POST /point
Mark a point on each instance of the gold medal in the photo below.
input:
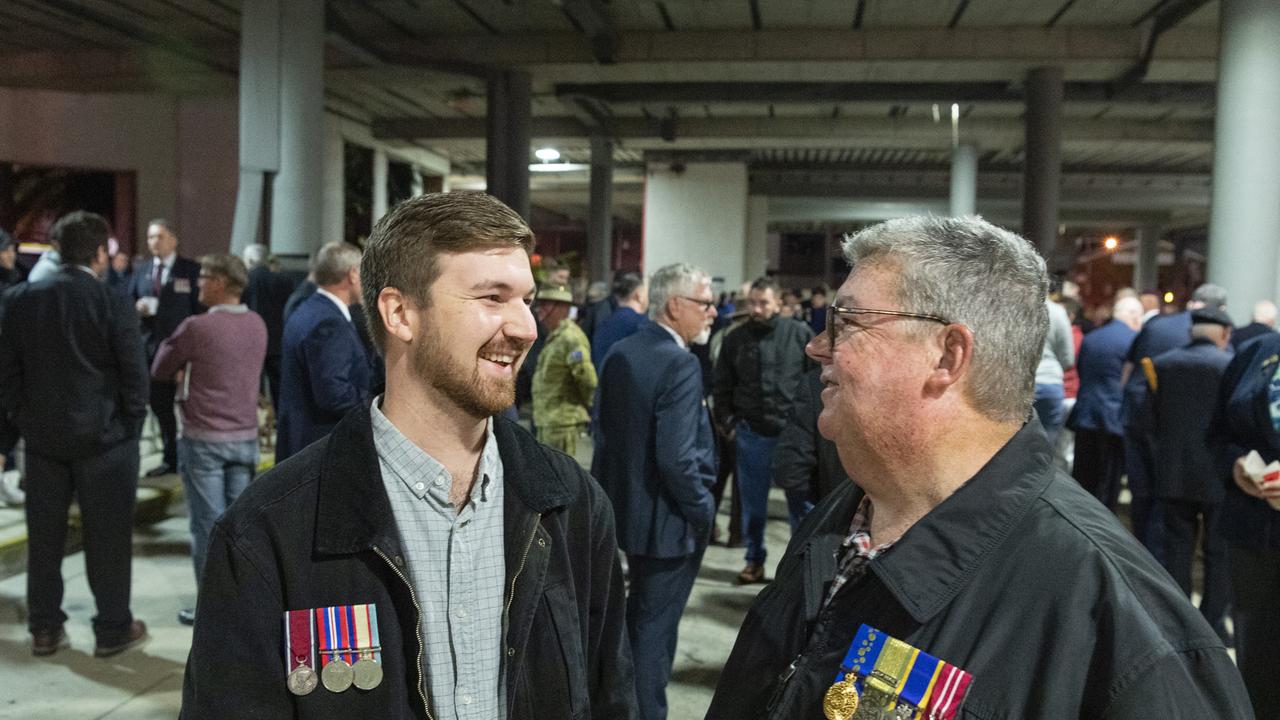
(302, 680)
(841, 700)
(366, 674)
(336, 676)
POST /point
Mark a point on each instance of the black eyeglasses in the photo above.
(834, 310)
(706, 304)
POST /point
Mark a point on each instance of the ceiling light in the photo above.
(1111, 243)
(552, 167)
(1168, 298)
(547, 155)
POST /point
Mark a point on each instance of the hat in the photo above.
(1210, 316)
(555, 293)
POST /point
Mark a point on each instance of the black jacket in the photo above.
(73, 379)
(759, 373)
(266, 294)
(1182, 406)
(177, 300)
(803, 459)
(1020, 578)
(318, 531)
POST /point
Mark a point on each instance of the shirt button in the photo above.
(420, 487)
(460, 613)
(466, 699)
(439, 481)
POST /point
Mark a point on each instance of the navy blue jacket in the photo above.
(177, 300)
(267, 294)
(1182, 406)
(620, 323)
(1100, 363)
(1243, 423)
(1161, 334)
(324, 374)
(655, 455)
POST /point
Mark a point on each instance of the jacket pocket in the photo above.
(555, 663)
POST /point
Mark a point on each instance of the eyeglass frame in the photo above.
(706, 304)
(833, 310)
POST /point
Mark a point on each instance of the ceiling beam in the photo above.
(1164, 16)
(593, 19)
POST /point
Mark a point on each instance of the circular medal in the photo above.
(841, 700)
(302, 680)
(336, 676)
(366, 674)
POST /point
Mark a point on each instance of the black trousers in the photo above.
(161, 402)
(1255, 582)
(1144, 510)
(1183, 522)
(1098, 465)
(728, 460)
(106, 486)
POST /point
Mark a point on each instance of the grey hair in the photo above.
(1211, 295)
(968, 271)
(672, 281)
(255, 255)
(333, 261)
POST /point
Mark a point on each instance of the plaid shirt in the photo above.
(856, 550)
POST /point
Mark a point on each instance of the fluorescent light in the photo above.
(547, 155)
(557, 167)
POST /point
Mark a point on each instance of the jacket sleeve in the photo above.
(795, 459)
(583, 372)
(612, 680)
(235, 669)
(329, 368)
(126, 346)
(1060, 342)
(725, 379)
(1193, 683)
(172, 354)
(681, 472)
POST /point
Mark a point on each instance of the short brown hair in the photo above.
(229, 267)
(402, 250)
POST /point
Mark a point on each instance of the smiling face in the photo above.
(477, 329)
(873, 380)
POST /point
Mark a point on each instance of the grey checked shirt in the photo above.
(457, 566)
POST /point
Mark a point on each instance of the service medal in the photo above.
(366, 674)
(336, 675)
(367, 671)
(841, 700)
(302, 680)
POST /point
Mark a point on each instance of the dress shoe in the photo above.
(137, 636)
(160, 470)
(48, 642)
(752, 573)
(187, 616)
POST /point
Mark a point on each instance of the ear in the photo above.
(955, 356)
(400, 317)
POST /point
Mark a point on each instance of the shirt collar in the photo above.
(675, 335)
(346, 311)
(167, 260)
(385, 431)
(230, 308)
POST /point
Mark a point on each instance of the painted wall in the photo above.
(698, 216)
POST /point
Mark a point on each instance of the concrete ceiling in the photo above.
(837, 93)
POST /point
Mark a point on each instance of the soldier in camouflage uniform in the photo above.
(565, 379)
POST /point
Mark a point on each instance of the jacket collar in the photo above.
(353, 512)
(934, 560)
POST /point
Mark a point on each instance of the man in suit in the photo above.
(164, 294)
(631, 301)
(1264, 321)
(266, 295)
(77, 392)
(1189, 480)
(656, 462)
(324, 371)
(1095, 419)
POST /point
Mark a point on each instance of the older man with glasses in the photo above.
(960, 568)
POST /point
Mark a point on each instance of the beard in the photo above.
(703, 337)
(463, 384)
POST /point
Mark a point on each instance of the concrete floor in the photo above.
(146, 684)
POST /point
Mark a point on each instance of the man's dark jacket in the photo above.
(1243, 422)
(1100, 365)
(266, 294)
(177, 299)
(73, 379)
(655, 454)
(803, 459)
(1242, 335)
(318, 531)
(1182, 406)
(324, 374)
(759, 373)
(1020, 578)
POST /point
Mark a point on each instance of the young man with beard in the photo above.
(430, 558)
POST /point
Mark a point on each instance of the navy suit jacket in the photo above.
(1100, 364)
(1161, 334)
(655, 455)
(324, 373)
(1182, 406)
(178, 300)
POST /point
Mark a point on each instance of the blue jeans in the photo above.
(755, 472)
(213, 476)
(1048, 405)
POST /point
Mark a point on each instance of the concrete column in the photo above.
(964, 180)
(755, 257)
(600, 220)
(698, 216)
(1245, 215)
(1146, 264)
(379, 205)
(1042, 170)
(259, 118)
(297, 191)
(508, 138)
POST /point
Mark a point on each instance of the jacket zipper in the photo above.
(506, 609)
(417, 627)
(783, 678)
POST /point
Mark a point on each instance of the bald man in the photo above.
(1264, 321)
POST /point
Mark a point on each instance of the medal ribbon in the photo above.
(330, 635)
(348, 633)
(948, 695)
(373, 630)
(863, 652)
(299, 635)
(919, 683)
(363, 639)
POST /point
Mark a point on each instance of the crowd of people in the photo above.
(422, 547)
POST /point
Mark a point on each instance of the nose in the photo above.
(819, 348)
(521, 325)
